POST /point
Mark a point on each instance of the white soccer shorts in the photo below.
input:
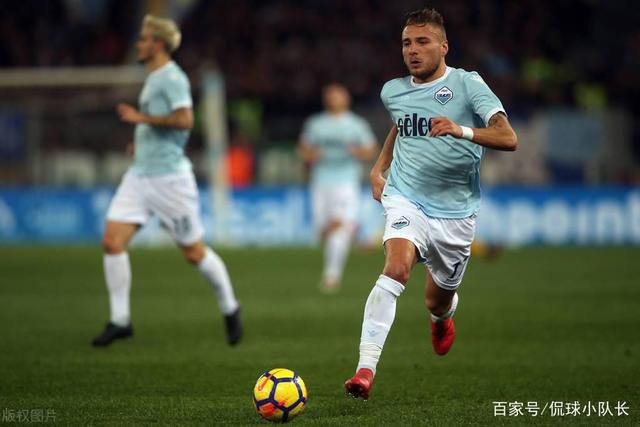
(172, 197)
(444, 245)
(335, 203)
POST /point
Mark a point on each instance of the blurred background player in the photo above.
(160, 182)
(432, 193)
(335, 143)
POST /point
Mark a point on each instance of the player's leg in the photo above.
(319, 211)
(174, 198)
(323, 225)
(380, 312)
(405, 244)
(448, 251)
(117, 273)
(117, 268)
(442, 304)
(125, 215)
(380, 308)
(214, 270)
(336, 251)
(329, 230)
(439, 301)
(342, 206)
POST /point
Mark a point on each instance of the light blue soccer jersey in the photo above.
(333, 135)
(160, 150)
(440, 175)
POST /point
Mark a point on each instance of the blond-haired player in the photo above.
(160, 182)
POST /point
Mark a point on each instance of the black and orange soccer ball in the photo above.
(280, 395)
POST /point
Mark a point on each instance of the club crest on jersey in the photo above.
(399, 223)
(443, 95)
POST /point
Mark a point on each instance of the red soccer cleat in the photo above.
(443, 333)
(360, 384)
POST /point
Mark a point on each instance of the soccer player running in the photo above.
(335, 143)
(444, 118)
(160, 182)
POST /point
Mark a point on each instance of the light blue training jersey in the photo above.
(440, 175)
(332, 135)
(160, 150)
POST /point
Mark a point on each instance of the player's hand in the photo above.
(315, 155)
(377, 184)
(309, 153)
(441, 126)
(355, 151)
(363, 153)
(129, 114)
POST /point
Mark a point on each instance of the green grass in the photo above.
(536, 325)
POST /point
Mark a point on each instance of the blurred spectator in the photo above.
(59, 32)
(534, 54)
(240, 159)
(284, 51)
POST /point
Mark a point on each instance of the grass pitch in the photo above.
(537, 325)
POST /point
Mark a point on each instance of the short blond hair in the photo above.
(165, 30)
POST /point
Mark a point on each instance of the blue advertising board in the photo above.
(281, 216)
(568, 215)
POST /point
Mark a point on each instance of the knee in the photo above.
(437, 306)
(397, 271)
(194, 255)
(433, 305)
(331, 228)
(111, 245)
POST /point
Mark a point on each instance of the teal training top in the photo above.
(332, 135)
(159, 150)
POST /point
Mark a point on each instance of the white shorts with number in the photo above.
(444, 245)
(172, 197)
(335, 203)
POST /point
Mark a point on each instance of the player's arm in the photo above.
(307, 152)
(180, 118)
(498, 134)
(376, 177)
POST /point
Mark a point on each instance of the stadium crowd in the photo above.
(534, 54)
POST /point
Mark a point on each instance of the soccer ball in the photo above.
(279, 395)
